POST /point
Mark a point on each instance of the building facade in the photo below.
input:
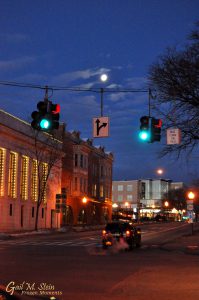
(22, 173)
(145, 196)
(86, 174)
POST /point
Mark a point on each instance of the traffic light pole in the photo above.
(150, 96)
(46, 94)
(102, 94)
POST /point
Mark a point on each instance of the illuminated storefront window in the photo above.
(101, 190)
(24, 177)
(2, 170)
(43, 181)
(34, 180)
(12, 180)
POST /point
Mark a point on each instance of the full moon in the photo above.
(103, 77)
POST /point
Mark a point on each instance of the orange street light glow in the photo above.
(84, 200)
(191, 195)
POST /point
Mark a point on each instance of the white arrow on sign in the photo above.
(101, 127)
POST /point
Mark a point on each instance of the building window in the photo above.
(81, 161)
(10, 209)
(44, 181)
(34, 180)
(12, 180)
(24, 178)
(85, 185)
(102, 171)
(120, 198)
(120, 188)
(85, 162)
(76, 160)
(81, 184)
(94, 190)
(129, 197)
(101, 190)
(2, 170)
(42, 213)
(129, 188)
(33, 212)
(76, 188)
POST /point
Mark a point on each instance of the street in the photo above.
(73, 265)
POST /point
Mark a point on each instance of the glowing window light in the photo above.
(2, 170)
(34, 180)
(12, 185)
(24, 177)
(44, 181)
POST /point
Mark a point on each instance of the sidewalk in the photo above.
(188, 244)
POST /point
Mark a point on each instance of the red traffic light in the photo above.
(55, 108)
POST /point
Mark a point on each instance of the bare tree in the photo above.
(175, 79)
(47, 151)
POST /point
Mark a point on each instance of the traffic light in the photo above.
(144, 133)
(38, 117)
(54, 111)
(156, 125)
(47, 116)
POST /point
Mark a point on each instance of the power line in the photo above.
(72, 89)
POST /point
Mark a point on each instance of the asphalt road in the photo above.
(73, 266)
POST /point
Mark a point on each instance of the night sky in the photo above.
(71, 43)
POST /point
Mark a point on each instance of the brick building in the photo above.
(19, 183)
(86, 173)
(82, 170)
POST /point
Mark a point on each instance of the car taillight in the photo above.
(103, 232)
(128, 233)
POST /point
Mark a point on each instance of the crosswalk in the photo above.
(69, 243)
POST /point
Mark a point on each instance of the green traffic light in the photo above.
(45, 124)
(144, 135)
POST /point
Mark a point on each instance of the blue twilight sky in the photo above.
(70, 43)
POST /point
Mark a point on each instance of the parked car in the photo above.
(117, 231)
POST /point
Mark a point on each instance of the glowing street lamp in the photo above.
(191, 195)
(166, 204)
(84, 200)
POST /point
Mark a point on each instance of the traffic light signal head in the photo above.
(144, 133)
(47, 116)
(55, 110)
(156, 126)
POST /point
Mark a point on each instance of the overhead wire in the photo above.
(72, 89)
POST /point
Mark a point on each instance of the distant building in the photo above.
(145, 195)
(177, 185)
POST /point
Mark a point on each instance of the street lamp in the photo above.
(191, 197)
(103, 78)
(84, 200)
(166, 204)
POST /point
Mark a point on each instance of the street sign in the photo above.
(190, 206)
(173, 136)
(100, 127)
